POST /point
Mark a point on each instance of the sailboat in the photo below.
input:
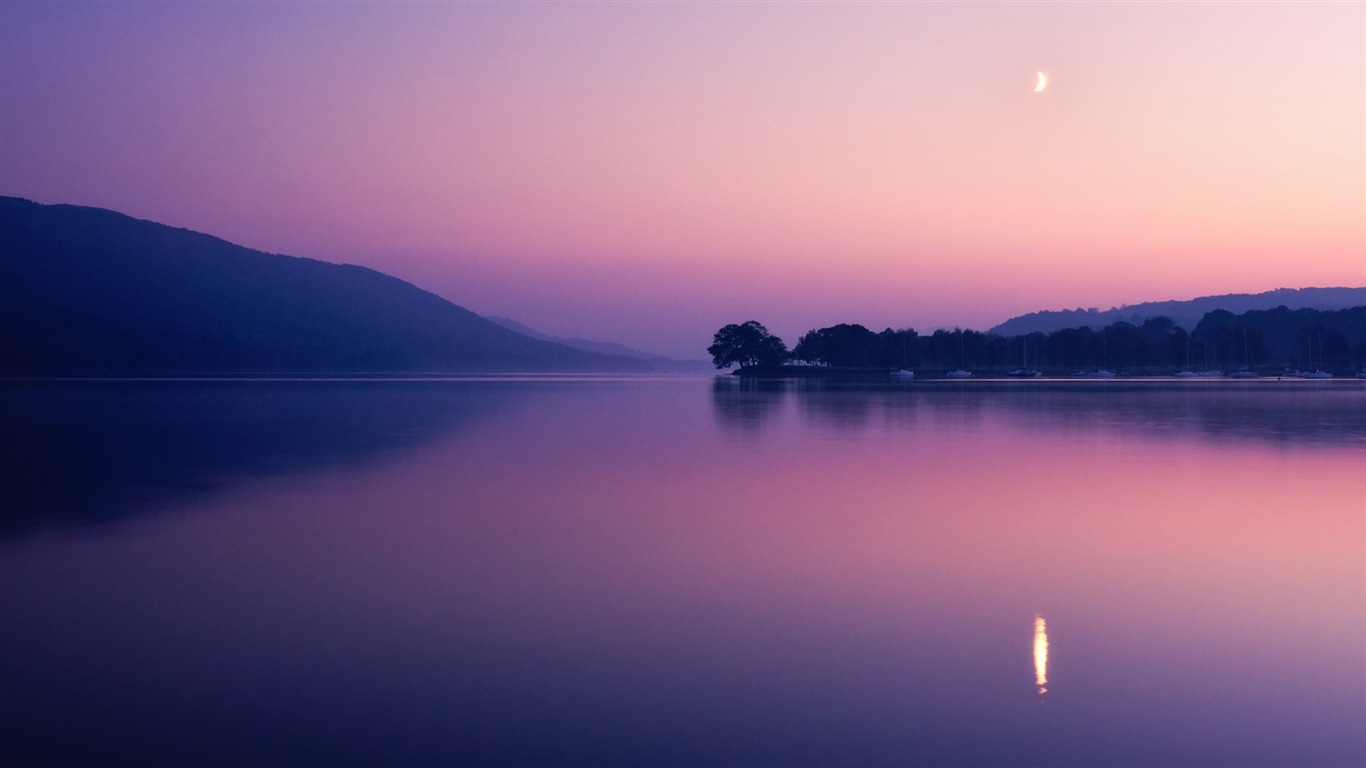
(959, 373)
(1210, 373)
(1246, 371)
(1099, 373)
(1317, 373)
(1186, 372)
(1024, 371)
(903, 373)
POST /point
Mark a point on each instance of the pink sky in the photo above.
(645, 172)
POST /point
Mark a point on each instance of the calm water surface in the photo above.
(682, 572)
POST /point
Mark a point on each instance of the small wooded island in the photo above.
(1273, 342)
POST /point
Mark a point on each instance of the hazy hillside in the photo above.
(86, 289)
(601, 347)
(657, 362)
(1185, 314)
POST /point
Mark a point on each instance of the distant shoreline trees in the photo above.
(1275, 339)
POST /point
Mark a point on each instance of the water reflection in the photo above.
(688, 573)
(746, 406)
(1263, 411)
(1041, 655)
(835, 410)
(81, 452)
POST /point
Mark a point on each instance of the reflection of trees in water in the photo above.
(955, 407)
(83, 452)
(1265, 411)
(1328, 413)
(898, 408)
(835, 409)
(900, 413)
(746, 405)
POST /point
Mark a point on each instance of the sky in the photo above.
(647, 172)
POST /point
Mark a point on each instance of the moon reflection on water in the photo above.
(1041, 654)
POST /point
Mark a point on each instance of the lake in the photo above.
(682, 571)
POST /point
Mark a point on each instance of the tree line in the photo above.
(1300, 339)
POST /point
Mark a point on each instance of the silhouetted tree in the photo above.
(746, 344)
(897, 349)
(1333, 351)
(1158, 349)
(1255, 350)
(1075, 348)
(842, 345)
(1125, 346)
(1303, 338)
(1179, 349)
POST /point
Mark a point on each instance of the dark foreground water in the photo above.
(661, 572)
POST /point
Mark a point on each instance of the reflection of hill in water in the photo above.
(1290, 412)
(83, 452)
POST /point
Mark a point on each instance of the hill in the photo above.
(85, 290)
(1186, 314)
(657, 362)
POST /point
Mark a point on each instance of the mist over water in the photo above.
(683, 571)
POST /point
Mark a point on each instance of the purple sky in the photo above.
(646, 172)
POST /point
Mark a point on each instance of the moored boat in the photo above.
(1024, 371)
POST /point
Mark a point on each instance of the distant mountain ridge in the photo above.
(1186, 314)
(601, 347)
(91, 290)
(657, 362)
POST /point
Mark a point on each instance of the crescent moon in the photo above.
(1043, 82)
